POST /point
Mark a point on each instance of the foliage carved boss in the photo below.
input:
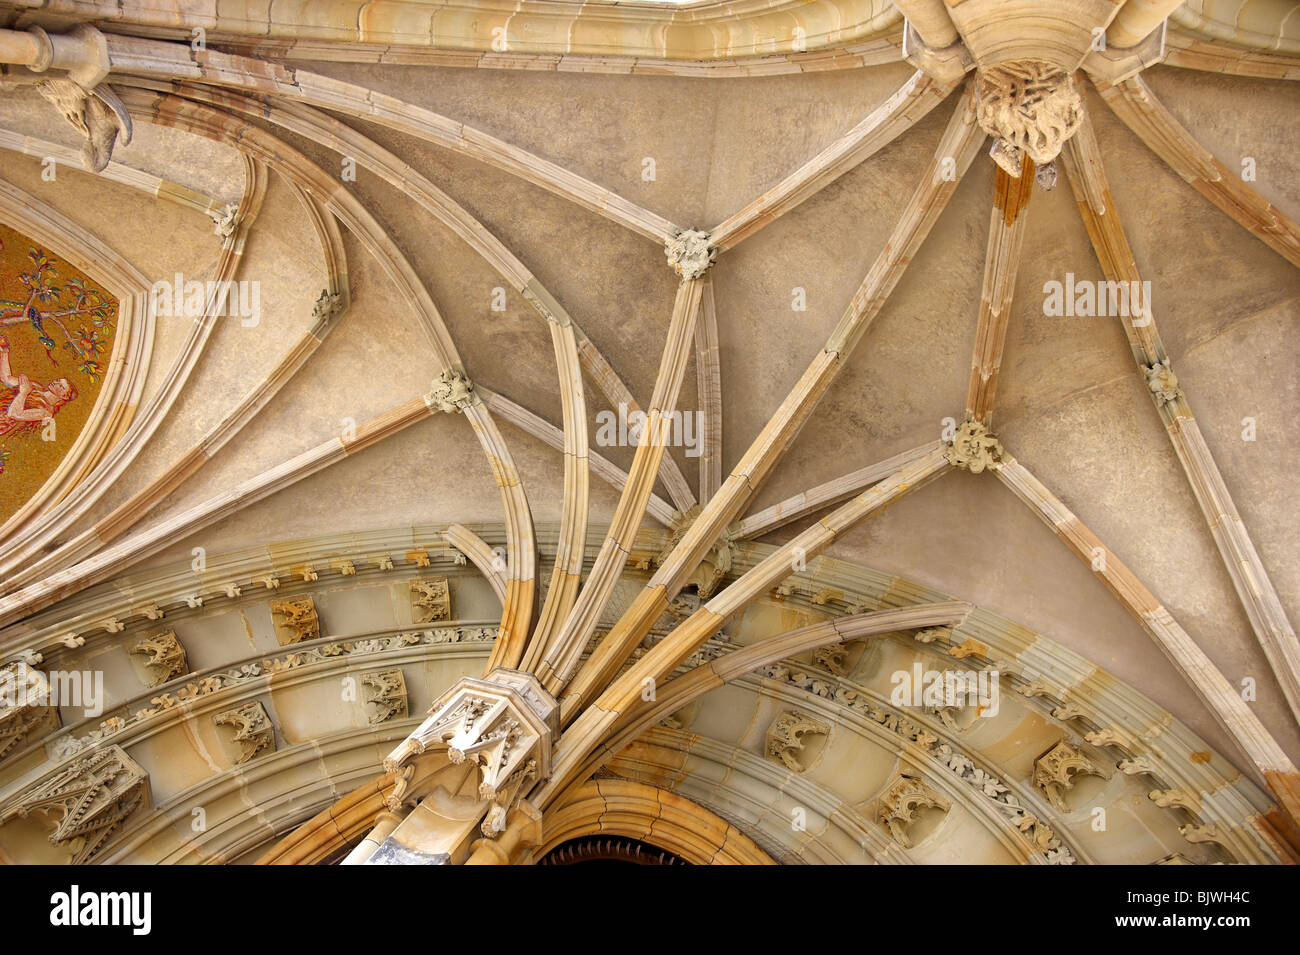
(1030, 108)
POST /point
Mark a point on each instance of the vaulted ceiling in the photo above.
(457, 244)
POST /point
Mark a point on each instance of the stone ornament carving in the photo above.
(251, 735)
(224, 220)
(328, 305)
(786, 738)
(712, 568)
(384, 694)
(689, 253)
(1162, 382)
(1029, 108)
(165, 657)
(1037, 833)
(1056, 770)
(452, 392)
(901, 804)
(503, 725)
(87, 800)
(66, 746)
(24, 711)
(295, 620)
(430, 600)
(974, 448)
(97, 114)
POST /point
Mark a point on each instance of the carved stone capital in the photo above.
(452, 392)
(1029, 108)
(689, 253)
(974, 448)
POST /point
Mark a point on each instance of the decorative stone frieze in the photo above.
(165, 657)
(1056, 770)
(787, 738)
(1037, 833)
(902, 804)
(452, 392)
(974, 448)
(430, 600)
(689, 253)
(384, 694)
(1030, 108)
(295, 620)
(86, 799)
(250, 732)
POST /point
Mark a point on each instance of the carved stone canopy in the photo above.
(503, 724)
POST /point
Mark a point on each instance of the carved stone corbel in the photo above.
(430, 600)
(902, 802)
(1056, 770)
(87, 798)
(384, 694)
(502, 725)
(295, 620)
(787, 738)
(252, 732)
(25, 713)
(166, 657)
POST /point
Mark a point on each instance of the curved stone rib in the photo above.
(175, 61)
(115, 171)
(329, 310)
(828, 494)
(566, 575)
(562, 653)
(115, 558)
(1190, 660)
(594, 722)
(29, 541)
(708, 381)
(480, 554)
(540, 428)
(682, 690)
(909, 104)
(1258, 597)
(1001, 262)
(1135, 104)
(960, 142)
